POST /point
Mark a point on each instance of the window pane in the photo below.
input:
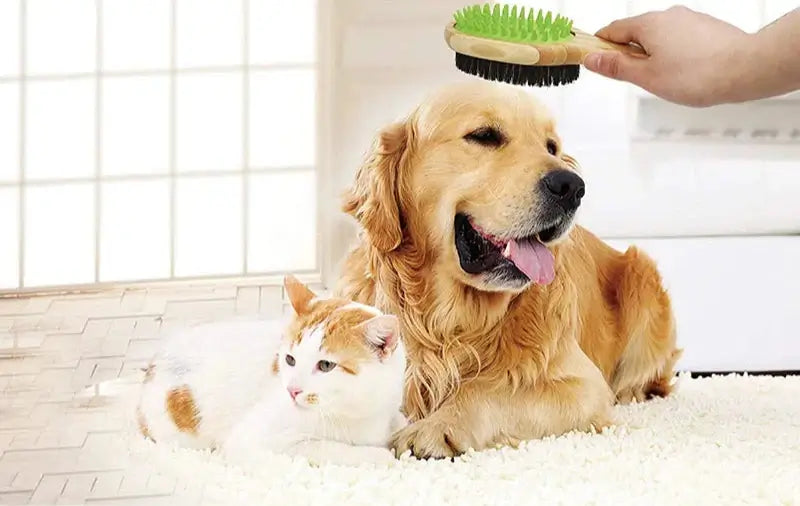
(9, 132)
(209, 32)
(9, 37)
(134, 231)
(59, 234)
(209, 129)
(283, 32)
(61, 36)
(124, 22)
(208, 235)
(135, 125)
(282, 232)
(282, 118)
(9, 237)
(60, 129)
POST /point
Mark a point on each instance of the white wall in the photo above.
(641, 184)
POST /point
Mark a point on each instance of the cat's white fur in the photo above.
(244, 408)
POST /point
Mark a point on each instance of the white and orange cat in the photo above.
(328, 386)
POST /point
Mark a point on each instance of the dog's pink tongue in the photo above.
(533, 259)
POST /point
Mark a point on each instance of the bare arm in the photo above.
(776, 68)
(698, 60)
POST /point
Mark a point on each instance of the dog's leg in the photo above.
(645, 368)
(481, 415)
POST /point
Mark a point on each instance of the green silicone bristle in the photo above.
(514, 25)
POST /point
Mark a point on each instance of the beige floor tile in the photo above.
(78, 487)
(271, 301)
(89, 308)
(248, 299)
(207, 309)
(26, 479)
(49, 489)
(11, 498)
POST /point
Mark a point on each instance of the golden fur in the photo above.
(494, 366)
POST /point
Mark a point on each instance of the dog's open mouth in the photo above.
(480, 251)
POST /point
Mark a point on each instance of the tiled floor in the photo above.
(64, 361)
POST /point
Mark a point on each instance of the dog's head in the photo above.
(477, 174)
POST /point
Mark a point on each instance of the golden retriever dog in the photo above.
(518, 323)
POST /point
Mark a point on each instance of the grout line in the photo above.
(98, 130)
(245, 133)
(158, 177)
(210, 69)
(172, 133)
(23, 29)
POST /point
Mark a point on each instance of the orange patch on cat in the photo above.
(319, 312)
(312, 399)
(276, 368)
(349, 366)
(140, 420)
(182, 409)
(343, 337)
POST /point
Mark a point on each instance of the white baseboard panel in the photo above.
(736, 299)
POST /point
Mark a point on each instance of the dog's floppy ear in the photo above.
(373, 200)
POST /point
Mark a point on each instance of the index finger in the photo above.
(625, 30)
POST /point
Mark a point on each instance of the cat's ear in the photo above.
(299, 294)
(383, 333)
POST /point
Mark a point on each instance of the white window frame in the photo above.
(325, 195)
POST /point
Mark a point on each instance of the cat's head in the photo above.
(340, 357)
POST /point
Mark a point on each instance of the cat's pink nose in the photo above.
(294, 391)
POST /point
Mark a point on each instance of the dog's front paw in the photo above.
(434, 437)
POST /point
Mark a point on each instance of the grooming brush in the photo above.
(522, 47)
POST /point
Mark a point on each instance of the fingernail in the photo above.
(592, 61)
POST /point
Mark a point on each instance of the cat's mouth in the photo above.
(306, 401)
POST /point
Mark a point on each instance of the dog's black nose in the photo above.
(567, 187)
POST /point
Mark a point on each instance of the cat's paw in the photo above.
(433, 437)
(381, 457)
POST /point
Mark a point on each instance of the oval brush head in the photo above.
(507, 43)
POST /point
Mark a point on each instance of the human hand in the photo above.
(694, 59)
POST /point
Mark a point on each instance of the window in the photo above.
(156, 140)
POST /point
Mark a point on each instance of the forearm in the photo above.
(771, 66)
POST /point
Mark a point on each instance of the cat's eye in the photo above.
(290, 360)
(486, 136)
(552, 147)
(325, 365)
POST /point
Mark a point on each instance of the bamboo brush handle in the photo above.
(571, 52)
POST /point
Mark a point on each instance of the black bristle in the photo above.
(530, 75)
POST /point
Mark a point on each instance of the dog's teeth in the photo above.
(507, 249)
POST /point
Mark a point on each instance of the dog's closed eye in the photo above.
(486, 136)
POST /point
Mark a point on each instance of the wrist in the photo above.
(742, 68)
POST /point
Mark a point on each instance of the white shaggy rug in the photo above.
(720, 440)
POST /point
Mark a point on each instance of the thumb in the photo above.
(615, 65)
